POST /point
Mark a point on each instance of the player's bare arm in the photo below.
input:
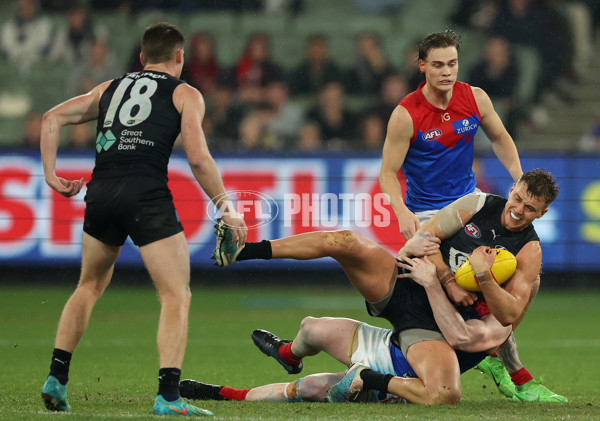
(444, 224)
(190, 103)
(508, 304)
(76, 110)
(397, 141)
(502, 142)
(472, 335)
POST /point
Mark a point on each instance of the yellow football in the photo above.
(503, 267)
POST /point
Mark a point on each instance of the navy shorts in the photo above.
(137, 206)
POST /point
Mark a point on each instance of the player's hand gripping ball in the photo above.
(504, 266)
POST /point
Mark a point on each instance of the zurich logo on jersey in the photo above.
(466, 125)
(472, 230)
(432, 134)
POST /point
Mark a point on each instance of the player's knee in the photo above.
(178, 296)
(444, 395)
(307, 325)
(93, 289)
(341, 242)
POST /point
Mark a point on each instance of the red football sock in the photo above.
(234, 394)
(286, 354)
(521, 376)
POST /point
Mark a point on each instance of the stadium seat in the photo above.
(215, 23)
(274, 24)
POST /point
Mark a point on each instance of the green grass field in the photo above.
(114, 370)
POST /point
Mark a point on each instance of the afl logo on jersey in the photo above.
(432, 134)
(472, 230)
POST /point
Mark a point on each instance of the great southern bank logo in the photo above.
(105, 140)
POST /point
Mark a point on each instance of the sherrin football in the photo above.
(503, 267)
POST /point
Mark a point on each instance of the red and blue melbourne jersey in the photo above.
(438, 164)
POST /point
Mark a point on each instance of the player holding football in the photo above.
(139, 117)
(430, 136)
(468, 226)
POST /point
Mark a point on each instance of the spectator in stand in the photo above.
(201, 65)
(478, 14)
(254, 133)
(286, 117)
(25, 38)
(414, 76)
(393, 89)
(521, 22)
(309, 137)
(135, 65)
(73, 41)
(99, 66)
(372, 133)
(226, 113)
(56, 5)
(255, 69)
(316, 69)
(497, 73)
(81, 136)
(371, 67)
(337, 123)
(33, 130)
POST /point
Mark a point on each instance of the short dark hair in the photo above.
(540, 184)
(447, 38)
(160, 41)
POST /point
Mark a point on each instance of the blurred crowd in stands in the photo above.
(316, 105)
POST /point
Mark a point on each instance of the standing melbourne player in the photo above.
(430, 136)
(139, 117)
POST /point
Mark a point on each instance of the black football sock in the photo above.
(59, 367)
(168, 383)
(376, 381)
(260, 250)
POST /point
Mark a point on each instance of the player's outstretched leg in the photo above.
(192, 389)
(54, 395)
(226, 251)
(534, 391)
(179, 407)
(269, 344)
(493, 367)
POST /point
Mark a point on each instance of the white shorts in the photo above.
(425, 216)
(374, 349)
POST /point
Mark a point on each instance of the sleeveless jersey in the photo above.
(438, 164)
(409, 308)
(485, 229)
(137, 125)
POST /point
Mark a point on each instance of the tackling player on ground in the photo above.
(468, 226)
